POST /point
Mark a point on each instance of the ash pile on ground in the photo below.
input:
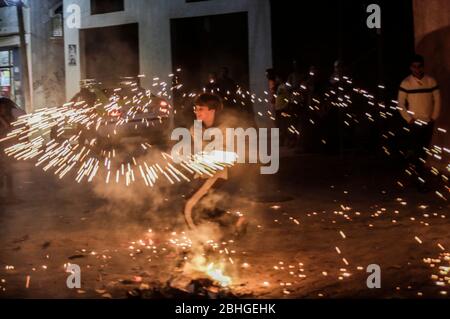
(202, 288)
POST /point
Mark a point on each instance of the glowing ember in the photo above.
(212, 270)
(216, 273)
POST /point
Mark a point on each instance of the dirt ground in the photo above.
(313, 230)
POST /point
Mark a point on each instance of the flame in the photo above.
(213, 270)
(216, 273)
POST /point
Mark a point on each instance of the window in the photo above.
(56, 16)
(5, 58)
(106, 6)
(10, 76)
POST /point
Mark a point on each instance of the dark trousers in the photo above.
(418, 140)
(280, 121)
(213, 206)
(6, 179)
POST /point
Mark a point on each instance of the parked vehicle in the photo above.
(122, 112)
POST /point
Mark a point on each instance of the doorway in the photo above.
(110, 53)
(203, 45)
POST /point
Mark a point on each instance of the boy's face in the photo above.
(417, 70)
(203, 113)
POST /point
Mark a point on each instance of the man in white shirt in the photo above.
(419, 96)
(419, 103)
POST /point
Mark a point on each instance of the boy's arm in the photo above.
(437, 104)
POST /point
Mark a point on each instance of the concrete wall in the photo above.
(154, 17)
(47, 57)
(432, 34)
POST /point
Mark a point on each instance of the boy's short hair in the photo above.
(417, 58)
(212, 101)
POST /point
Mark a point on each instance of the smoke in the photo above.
(160, 205)
(160, 208)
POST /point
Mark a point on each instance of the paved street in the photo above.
(313, 230)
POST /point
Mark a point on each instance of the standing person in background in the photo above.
(225, 82)
(296, 78)
(7, 110)
(272, 86)
(211, 85)
(419, 103)
(338, 73)
(282, 103)
(334, 119)
(308, 116)
(297, 110)
(227, 87)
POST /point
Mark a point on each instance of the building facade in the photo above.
(152, 37)
(45, 52)
(10, 64)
